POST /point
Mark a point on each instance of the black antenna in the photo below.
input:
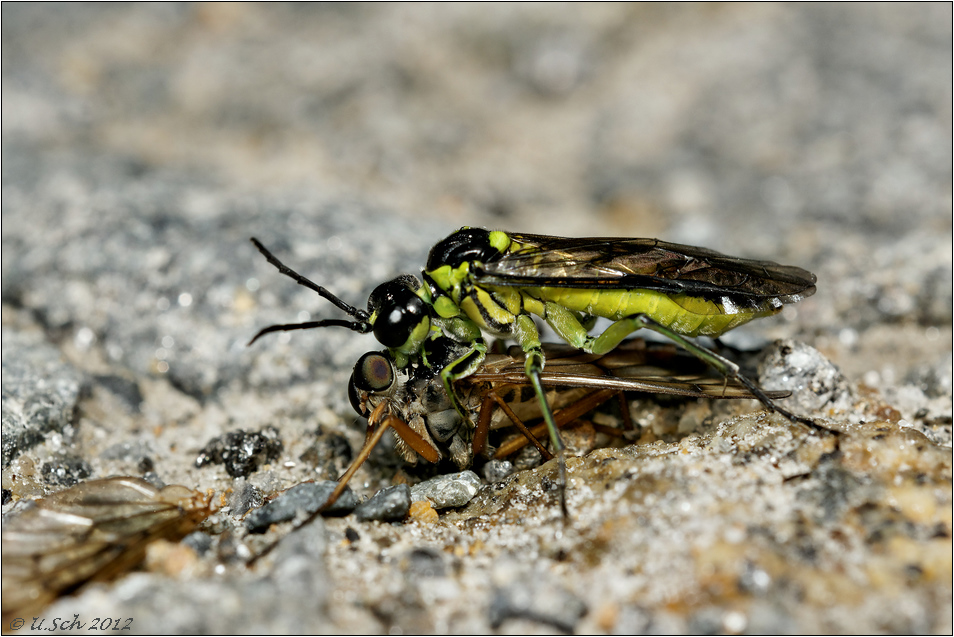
(361, 325)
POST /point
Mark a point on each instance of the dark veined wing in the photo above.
(635, 366)
(648, 264)
(93, 531)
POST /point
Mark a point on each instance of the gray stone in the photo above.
(143, 144)
(539, 601)
(300, 501)
(497, 470)
(451, 490)
(387, 505)
(814, 381)
(40, 392)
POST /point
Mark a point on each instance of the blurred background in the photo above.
(818, 136)
(702, 123)
(143, 144)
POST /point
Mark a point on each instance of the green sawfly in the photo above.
(478, 281)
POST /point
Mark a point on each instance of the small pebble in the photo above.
(301, 500)
(424, 512)
(244, 498)
(66, 471)
(814, 380)
(497, 470)
(242, 452)
(198, 541)
(387, 505)
(538, 601)
(424, 562)
(452, 490)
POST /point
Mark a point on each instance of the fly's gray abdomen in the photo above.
(443, 425)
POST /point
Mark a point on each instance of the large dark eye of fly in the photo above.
(397, 317)
(355, 398)
(468, 244)
(372, 373)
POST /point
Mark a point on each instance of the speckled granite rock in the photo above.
(40, 392)
(144, 144)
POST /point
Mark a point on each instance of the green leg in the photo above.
(722, 365)
(461, 368)
(529, 339)
(564, 322)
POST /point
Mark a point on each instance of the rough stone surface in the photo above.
(815, 383)
(452, 490)
(537, 601)
(241, 452)
(497, 470)
(144, 144)
(299, 501)
(388, 505)
(40, 393)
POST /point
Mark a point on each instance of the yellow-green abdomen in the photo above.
(688, 315)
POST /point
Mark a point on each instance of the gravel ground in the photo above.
(143, 145)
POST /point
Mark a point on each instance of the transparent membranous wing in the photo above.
(93, 531)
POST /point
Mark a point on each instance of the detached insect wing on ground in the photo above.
(93, 531)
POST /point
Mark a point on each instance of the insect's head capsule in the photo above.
(373, 373)
(400, 319)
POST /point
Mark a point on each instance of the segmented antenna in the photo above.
(362, 325)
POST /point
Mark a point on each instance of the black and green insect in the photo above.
(477, 280)
(499, 398)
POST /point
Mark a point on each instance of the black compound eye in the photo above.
(355, 398)
(397, 317)
(372, 373)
